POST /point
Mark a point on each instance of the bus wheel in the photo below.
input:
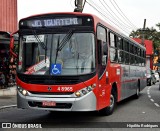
(109, 109)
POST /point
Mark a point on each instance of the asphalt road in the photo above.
(130, 111)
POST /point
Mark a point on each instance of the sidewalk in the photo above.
(10, 91)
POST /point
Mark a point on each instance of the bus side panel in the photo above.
(115, 72)
(130, 81)
(104, 90)
(142, 78)
(132, 78)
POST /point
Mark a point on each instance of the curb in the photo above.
(8, 92)
(4, 107)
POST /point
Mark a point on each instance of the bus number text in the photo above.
(65, 89)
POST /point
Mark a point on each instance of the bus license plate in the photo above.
(48, 103)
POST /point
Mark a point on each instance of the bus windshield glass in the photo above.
(64, 54)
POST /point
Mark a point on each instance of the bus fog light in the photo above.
(89, 88)
(78, 94)
(84, 92)
(19, 88)
(22, 91)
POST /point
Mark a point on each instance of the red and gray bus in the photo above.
(76, 62)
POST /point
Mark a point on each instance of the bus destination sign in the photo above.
(37, 23)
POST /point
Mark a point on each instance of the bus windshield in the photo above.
(64, 54)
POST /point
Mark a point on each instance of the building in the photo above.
(149, 51)
(8, 15)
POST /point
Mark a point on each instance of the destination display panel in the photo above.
(54, 21)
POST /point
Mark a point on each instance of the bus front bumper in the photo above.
(84, 103)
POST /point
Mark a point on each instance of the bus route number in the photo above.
(65, 89)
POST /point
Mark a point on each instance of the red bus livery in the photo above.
(76, 62)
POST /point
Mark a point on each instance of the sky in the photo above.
(125, 15)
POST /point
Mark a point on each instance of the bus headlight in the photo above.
(78, 94)
(22, 91)
(85, 90)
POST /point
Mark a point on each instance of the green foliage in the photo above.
(149, 34)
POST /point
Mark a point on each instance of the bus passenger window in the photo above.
(120, 56)
(113, 47)
(113, 56)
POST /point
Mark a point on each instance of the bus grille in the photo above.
(55, 80)
(49, 80)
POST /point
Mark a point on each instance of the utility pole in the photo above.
(143, 32)
(79, 5)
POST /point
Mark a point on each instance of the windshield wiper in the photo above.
(65, 40)
(61, 44)
(57, 49)
(39, 41)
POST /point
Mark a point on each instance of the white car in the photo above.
(156, 75)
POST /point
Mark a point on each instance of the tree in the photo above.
(158, 25)
(149, 34)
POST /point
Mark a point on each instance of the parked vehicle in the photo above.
(151, 79)
(155, 73)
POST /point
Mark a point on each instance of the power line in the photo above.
(102, 14)
(71, 3)
(124, 16)
(111, 11)
(131, 27)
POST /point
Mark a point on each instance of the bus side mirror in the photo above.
(99, 43)
(11, 50)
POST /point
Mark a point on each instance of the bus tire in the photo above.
(109, 109)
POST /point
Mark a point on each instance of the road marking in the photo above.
(9, 106)
(148, 92)
(156, 104)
